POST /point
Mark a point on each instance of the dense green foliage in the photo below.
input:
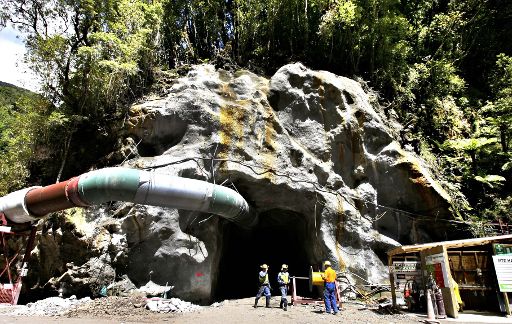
(22, 117)
(94, 57)
(442, 67)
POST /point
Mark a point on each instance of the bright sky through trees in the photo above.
(12, 68)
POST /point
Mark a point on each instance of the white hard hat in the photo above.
(284, 266)
(264, 266)
(327, 263)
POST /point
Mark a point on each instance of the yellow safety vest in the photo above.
(284, 277)
(264, 280)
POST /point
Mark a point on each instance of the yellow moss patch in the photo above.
(76, 216)
(269, 145)
(419, 176)
(414, 169)
(137, 116)
(339, 231)
(232, 120)
(233, 117)
(102, 239)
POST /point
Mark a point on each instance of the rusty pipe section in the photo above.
(130, 185)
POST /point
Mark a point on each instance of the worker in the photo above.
(264, 286)
(283, 278)
(329, 277)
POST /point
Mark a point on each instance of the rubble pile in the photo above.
(51, 306)
(173, 305)
(134, 306)
(112, 306)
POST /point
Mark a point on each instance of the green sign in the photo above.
(503, 266)
(502, 249)
(505, 287)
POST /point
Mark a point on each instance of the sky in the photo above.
(12, 68)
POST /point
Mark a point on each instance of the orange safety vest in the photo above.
(329, 275)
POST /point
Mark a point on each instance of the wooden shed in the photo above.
(469, 263)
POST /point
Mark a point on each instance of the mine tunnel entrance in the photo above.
(281, 236)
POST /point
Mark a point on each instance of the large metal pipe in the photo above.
(130, 185)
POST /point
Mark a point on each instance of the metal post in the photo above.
(392, 280)
(294, 291)
(338, 295)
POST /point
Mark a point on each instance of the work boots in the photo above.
(267, 302)
(283, 304)
(256, 302)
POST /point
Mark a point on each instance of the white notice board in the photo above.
(404, 271)
(503, 266)
(435, 264)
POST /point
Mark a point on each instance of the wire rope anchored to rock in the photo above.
(130, 185)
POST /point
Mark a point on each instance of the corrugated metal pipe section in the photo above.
(130, 185)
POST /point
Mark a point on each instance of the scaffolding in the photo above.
(15, 247)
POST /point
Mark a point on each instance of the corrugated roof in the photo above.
(448, 244)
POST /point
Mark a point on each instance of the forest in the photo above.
(442, 68)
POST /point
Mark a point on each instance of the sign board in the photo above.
(436, 265)
(503, 266)
(404, 271)
(503, 249)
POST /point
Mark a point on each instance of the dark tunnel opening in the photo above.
(281, 236)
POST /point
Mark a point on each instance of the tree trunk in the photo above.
(504, 137)
(65, 157)
(472, 154)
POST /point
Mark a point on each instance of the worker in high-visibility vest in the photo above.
(283, 279)
(264, 286)
(329, 277)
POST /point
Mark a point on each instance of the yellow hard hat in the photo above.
(327, 263)
(284, 266)
(264, 266)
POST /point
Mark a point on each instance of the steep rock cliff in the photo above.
(310, 151)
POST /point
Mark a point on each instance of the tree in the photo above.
(23, 116)
(499, 111)
(93, 58)
(470, 146)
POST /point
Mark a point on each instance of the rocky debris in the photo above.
(131, 310)
(52, 306)
(152, 289)
(75, 254)
(87, 279)
(123, 287)
(113, 306)
(219, 304)
(173, 305)
(133, 306)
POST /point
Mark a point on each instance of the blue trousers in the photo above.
(264, 290)
(284, 293)
(330, 298)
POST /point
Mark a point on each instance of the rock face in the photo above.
(312, 154)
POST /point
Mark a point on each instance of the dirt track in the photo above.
(116, 310)
(241, 311)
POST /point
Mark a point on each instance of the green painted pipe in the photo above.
(130, 185)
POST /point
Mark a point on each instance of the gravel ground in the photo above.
(132, 310)
(241, 311)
